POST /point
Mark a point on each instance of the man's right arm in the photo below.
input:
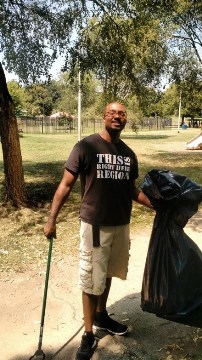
(59, 199)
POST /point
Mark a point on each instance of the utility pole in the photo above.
(79, 100)
(179, 116)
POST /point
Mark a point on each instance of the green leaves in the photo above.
(33, 34)
(127, 43)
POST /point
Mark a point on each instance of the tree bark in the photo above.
(12, 159)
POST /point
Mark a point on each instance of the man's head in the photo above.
(115, 117)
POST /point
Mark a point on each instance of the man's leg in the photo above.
(89, 307)
(102, 299)
(88, 342)
(102, 320)
(92, 303)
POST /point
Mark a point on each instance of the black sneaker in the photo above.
(87, 346)
(104, 322)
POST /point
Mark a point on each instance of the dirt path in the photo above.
(149, 337)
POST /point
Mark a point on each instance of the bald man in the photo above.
(108, 169)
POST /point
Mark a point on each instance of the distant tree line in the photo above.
(61, 95)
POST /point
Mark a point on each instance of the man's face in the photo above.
(115, 117)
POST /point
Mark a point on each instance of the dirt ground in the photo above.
(149, 337)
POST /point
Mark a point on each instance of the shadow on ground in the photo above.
(149, 337)
(144, 137)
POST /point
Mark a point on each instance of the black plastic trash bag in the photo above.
(172, 280)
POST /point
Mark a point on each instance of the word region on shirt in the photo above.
(113, 167)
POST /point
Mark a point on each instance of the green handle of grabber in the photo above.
(45, 292)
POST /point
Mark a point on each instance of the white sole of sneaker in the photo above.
(111, 332)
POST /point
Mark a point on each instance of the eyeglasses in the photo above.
(114, 112)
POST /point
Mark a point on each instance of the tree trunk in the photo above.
(183, 116)
(13, 169)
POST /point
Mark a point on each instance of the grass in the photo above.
(22, 243)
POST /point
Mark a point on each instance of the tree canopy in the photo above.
(134, 39)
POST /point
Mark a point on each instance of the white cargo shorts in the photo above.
(104, 253)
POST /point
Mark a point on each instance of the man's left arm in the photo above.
(141, 198)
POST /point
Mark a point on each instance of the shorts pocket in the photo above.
(86, 268)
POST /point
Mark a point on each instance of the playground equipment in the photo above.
(195, 143)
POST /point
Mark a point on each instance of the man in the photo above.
(108, 169)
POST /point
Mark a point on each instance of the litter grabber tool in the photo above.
(39, 354)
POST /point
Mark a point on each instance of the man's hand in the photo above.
(50, 229)
(141, 198)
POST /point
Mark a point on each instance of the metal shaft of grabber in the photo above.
(39, 352)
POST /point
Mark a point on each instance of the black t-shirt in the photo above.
(107, 172)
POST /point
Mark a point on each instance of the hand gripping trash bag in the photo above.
(172, 280)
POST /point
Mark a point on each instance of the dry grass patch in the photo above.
(22, 243)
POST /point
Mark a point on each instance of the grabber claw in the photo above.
(38, 353)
